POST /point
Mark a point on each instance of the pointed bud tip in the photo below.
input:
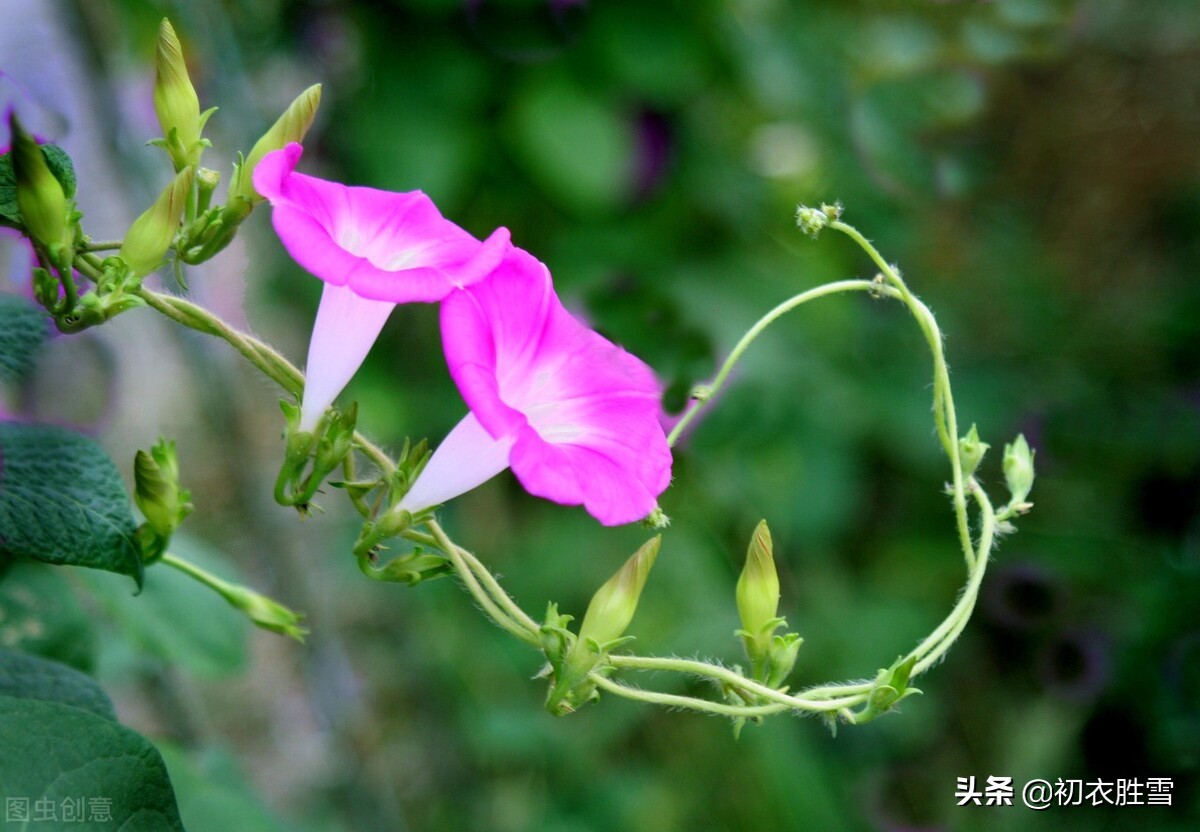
(150, 236)
(291, 127)
(758, 585)
(41, 199)
(614, 604)
(175, 101)
(1019, 468)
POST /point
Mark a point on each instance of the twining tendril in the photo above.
(743, 697)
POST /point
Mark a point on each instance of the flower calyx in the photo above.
(971, 452)
(311, 456)
(891, 685)
(159, 497)
(213, 230)
(411, 568)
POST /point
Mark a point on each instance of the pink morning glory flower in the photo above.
(374, 249)
(573, 415)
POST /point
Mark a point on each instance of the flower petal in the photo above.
(346, 327)
(387, 246)
(583, 412)
(467, 458)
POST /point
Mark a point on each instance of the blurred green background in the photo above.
(1034, 168)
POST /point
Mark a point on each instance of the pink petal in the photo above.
(346, 327)
(467, 458)
(583, 412)
(387, 246)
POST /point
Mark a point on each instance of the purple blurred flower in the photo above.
(573, 415)
(374, 249)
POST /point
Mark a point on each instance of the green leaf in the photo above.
(66, 760)
(63, 502)
(213, 793)
(22, 331)
(60, 165)
(29, 677)
(39, 615)
(175, 618)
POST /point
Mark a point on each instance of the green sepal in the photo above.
(311, 457)
(410, 569)
(213, 230)
(890, 688)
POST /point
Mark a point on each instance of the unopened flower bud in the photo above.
(971, 451)
(290, 127)
(758, 590)
(157, 492)
(40, 196)
(266, 612)
(175, 100)
(213, 230)
(613, 605)
(832, 210)
(604, 624)
(811, 220)
(1018, 469)
(149, 238)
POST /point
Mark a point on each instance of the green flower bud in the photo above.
(1018, 470)
(811, 220)
(44, 207)
(971, 451)
(157, 492)
(572, 658)
(149, 238)
(613, 605)
(175, 100)
(266, 612)
(213, 230)
(758, 592)
(292, 126)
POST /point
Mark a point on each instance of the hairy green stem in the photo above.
(672, 700)
(722, 674)
(943, 401)
(935, 646)
(507, 614)
(101, 245)
(262, 356)
(699, 402)
(457, 555)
